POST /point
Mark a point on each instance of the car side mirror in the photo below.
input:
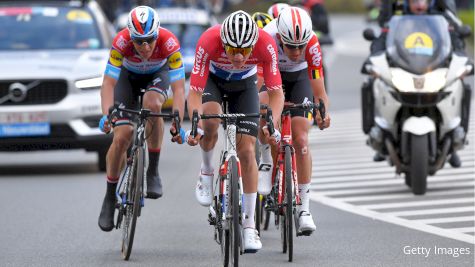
(465, 31)
(369, 35)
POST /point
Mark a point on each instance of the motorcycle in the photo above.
(415, 104)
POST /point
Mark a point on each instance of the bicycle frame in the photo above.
(223, 210)
(280, 166)
(130, 191)
(286, 141)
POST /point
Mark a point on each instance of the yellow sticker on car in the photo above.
(115, 58)
(79, 16)
(175, 60)
(419, 43)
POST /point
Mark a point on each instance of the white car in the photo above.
(187, 24)
(52, 58)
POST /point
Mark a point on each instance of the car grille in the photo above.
(45, 92)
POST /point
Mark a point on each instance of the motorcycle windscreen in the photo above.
(418, 43)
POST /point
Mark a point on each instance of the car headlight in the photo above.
(88, 84)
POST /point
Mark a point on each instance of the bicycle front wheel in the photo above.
(235, 212)
(133, 205)
(289, 202)
(258, 217)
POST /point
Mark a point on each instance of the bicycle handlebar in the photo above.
(146, 113)
(224, 116)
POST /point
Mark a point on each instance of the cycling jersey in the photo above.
(211, 57)
(312, 59)
(167, 50)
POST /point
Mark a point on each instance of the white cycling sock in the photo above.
(266, 155)
(206, 165)
(249, 209)
(304, 190)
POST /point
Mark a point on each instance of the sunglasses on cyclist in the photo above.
(142, 41)
(241, 50)
(294, 47)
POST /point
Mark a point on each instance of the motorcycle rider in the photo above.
(418, 7)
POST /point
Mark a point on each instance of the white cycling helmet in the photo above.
(239, 30)
(294, 26)
(275, 9)
(143, 23)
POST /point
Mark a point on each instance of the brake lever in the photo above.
(176, 120)
(322, 110)
(269, 120)
(194, 123)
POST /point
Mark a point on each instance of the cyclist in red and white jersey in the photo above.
(300, 65)
(275, 9)
(143, 56)
(225, 63)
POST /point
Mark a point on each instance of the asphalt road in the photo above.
(50, 203)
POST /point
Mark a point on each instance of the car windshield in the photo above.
(187, 34)
(35, 27)
(418, 43)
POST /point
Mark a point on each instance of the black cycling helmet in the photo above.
(261, 19)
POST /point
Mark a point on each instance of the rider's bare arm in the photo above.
(318, 89)
(276, 102)
(178, 88)
(107, 93)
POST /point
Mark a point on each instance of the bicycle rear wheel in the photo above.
(289, 202)
(134, 194)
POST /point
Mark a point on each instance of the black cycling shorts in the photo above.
(127, 89)
(242, 97)
(297, 89)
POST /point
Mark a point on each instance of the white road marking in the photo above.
(446, 220)
(345, 177)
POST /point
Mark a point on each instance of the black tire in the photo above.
(225, 247)
(367, 106)
(259, 198)
(101, 159)
(289, 202)
(234, 226)
(419, 163)
(283, 233)
(134, 194)
(258, 213)
(266, 220)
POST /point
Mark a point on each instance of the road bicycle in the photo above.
(284, 197)
(226, 212)
(130, 192)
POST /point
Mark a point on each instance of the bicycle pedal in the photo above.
(211, 219)
(250, 251)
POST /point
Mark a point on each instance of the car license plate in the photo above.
(18, 124)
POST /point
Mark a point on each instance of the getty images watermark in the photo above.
(435, 250)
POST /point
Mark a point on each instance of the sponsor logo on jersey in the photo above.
(271, 50)
(115, 58)
(316, 55)
(200, 61)
(121, 42)
(171, 44)
(175, 60)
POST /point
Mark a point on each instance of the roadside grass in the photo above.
(467, 17)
